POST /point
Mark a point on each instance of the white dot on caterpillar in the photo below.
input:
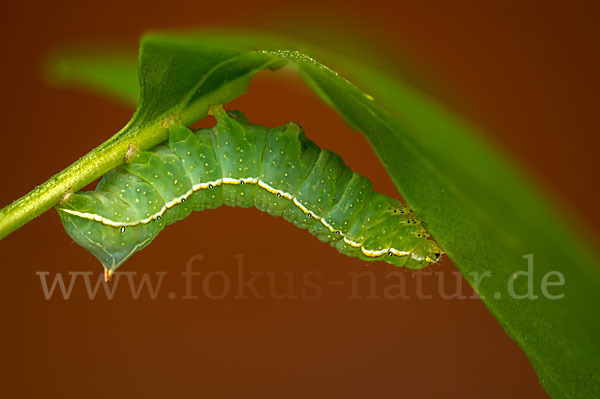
(156, 176)
(189, 153)
(175, 181)
(122, 229)
(137, 189)
(205, 163)
(241, 160)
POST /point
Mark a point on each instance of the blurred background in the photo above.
(525, 73)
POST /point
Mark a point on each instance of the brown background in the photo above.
(525, 73)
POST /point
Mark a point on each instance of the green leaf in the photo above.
(108, 71)
(184, 76)
(478, 206)
(486, 217)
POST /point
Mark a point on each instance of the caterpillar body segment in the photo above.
(235, 163)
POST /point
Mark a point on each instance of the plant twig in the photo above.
(85, 170)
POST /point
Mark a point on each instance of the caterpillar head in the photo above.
(425, 253)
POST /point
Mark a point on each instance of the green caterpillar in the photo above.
(235, 163)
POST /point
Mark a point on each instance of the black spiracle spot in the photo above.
(158, 217)
(210, 186)
(122, 230)
(242, 182)
(278, 195)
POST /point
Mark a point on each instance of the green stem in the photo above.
(96, 163)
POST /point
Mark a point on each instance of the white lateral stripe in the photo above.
(374, 253)
(202, 186)
(246, 180)
(352, 243)
(273, 190)
(329, 227)
(399, 253)
(302, 207)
